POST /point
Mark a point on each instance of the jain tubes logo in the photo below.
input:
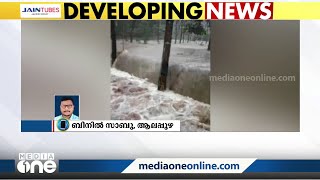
(36, 163)
(40, 10)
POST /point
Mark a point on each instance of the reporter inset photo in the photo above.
(67, 107)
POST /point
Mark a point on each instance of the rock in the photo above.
(180, 117)
(156, 97)
(154, 111)
(133, 102)
(133, 116)
(136, 89)
(119, 116)
(114, 96)
(147, 96)
(115, 116)
(179, 106)
(203, 113)
(163, 117)
(165, 108)
(139, 102)
(115, 79)
(118, 90)
(117, 101)
(166, 100)
(124, 87)
(115, 106)
(191, 126)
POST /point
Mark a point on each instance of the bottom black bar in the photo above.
(315, 175)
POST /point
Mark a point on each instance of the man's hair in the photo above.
(66, 98)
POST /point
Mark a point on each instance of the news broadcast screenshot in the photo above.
(159, 89)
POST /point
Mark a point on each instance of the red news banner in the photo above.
(239, 10)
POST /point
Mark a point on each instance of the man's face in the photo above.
(66, 108)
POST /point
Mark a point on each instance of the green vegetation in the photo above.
(144, 31)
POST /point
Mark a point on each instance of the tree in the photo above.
(195, 27)
(113, 42)
(125, 31)
(133, 25)
(176, 32)
(147, 30)
(162, 83)
(181, 30)
(158, 32)
(209, 32)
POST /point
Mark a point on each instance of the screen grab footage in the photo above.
(211, 76)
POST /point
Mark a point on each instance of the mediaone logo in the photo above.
(30, 162)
